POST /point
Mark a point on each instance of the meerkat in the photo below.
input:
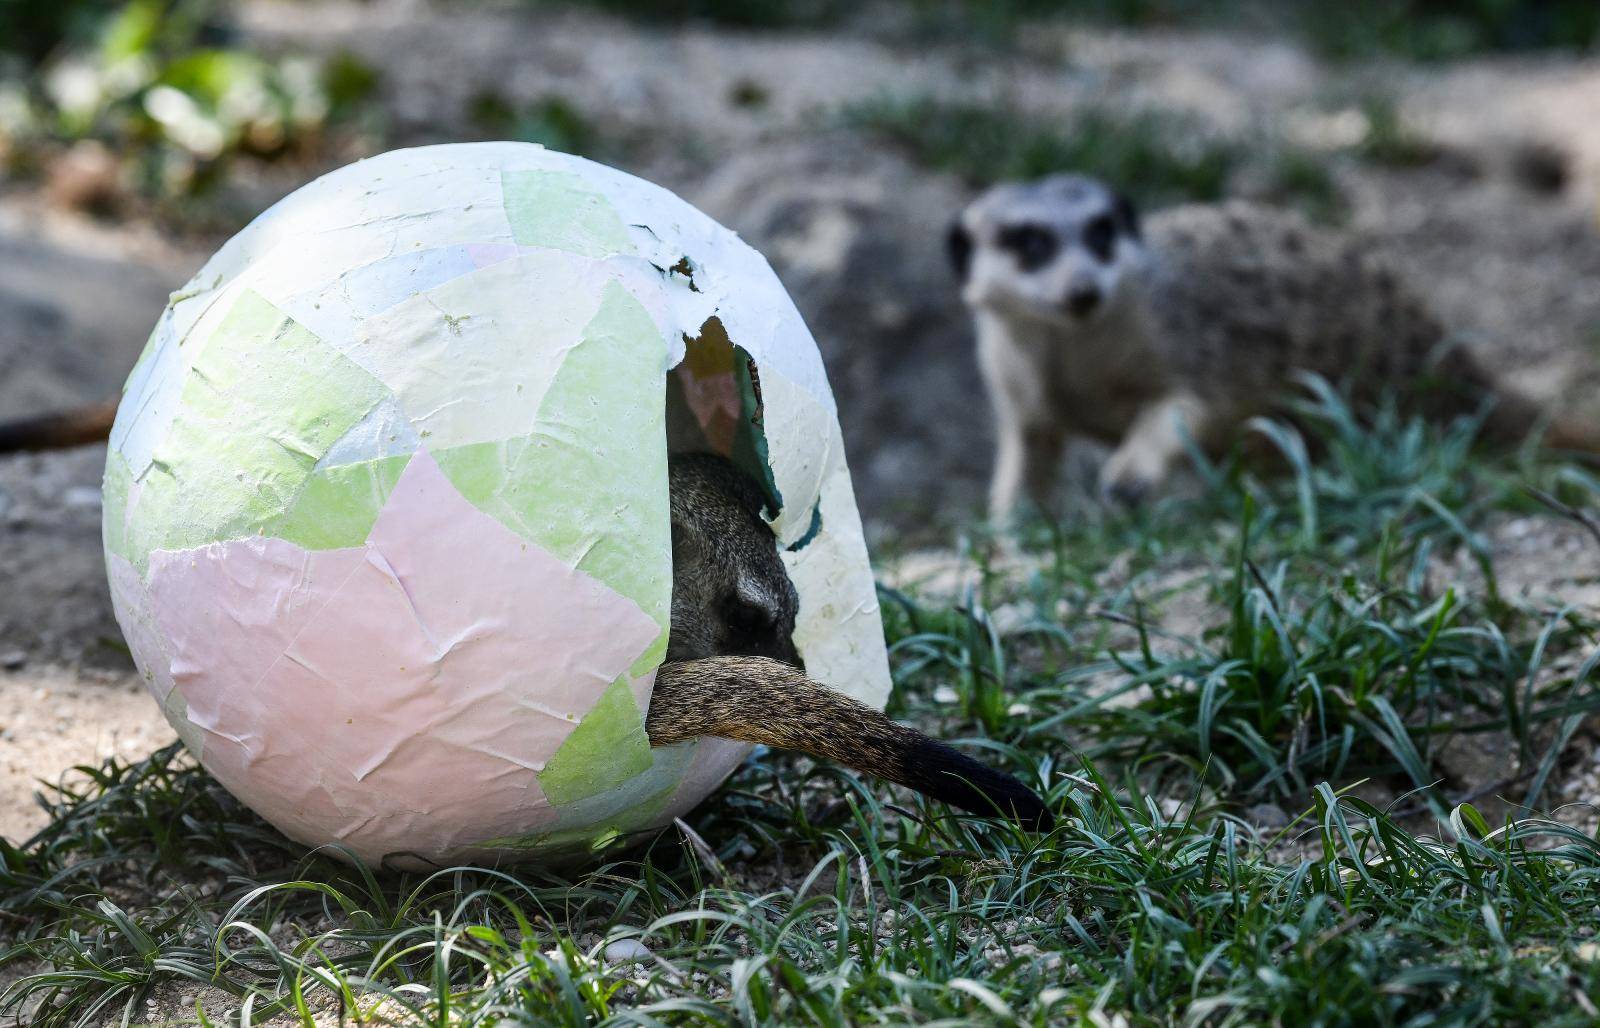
(731, 668)
(1150, 334)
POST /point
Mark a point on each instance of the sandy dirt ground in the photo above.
(53, 720)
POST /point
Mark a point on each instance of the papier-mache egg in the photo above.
(386, 518)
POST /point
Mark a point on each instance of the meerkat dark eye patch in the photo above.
(1100, 237)
(1128, 216)
(958, 247)
(1034, 246)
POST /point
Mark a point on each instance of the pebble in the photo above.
(627, 951)
(945, 694)
(14, 660)
(1267, 815)
(1010, 618)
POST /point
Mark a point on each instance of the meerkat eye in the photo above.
(1100, 236)
(1033, 245)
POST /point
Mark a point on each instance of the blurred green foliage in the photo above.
(1389, 140)
(1416, 29)
(31, 30)
(1147, 154)
(551, 122)
(1440, 29)
(766, 14)
(1157, 158)
(163, 83)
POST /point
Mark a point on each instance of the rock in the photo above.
(857, 235)
(1268, 816)
(75, 322)
(1474, 761)
(627, 951)
(13, 660)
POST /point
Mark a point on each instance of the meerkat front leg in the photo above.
(1030, 432)
(1027, 459)
(1153, 445)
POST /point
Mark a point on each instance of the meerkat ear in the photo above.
(958, 246)
(1127, 215)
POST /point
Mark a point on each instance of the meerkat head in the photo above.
(1056, 250)
(731, 594)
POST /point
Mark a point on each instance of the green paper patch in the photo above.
(338, 506)
(812, 530)
(741, 436)
(650, 659)
(558, 210)
(114, 505)
(591, 824)
(590, 485)
(585, 839)
(750, 445)
(176, 708)
(262, 403)
(608, 747)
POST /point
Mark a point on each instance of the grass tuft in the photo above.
(1255, 822)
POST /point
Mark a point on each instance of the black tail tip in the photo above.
(1021, 804)
(962, 782)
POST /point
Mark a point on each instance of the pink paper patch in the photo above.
(229, 610)
(408, 691)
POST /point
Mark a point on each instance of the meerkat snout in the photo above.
(1056, 250)
(1083, 299)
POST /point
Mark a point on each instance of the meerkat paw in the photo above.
(1003, 514)
(1129, 478)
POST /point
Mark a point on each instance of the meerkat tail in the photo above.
(762, 701)
(60, 430)
(1574, 434)
(1515, 419)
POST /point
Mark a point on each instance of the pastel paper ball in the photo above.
(386, 519)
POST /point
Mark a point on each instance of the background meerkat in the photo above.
(1144, 336)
